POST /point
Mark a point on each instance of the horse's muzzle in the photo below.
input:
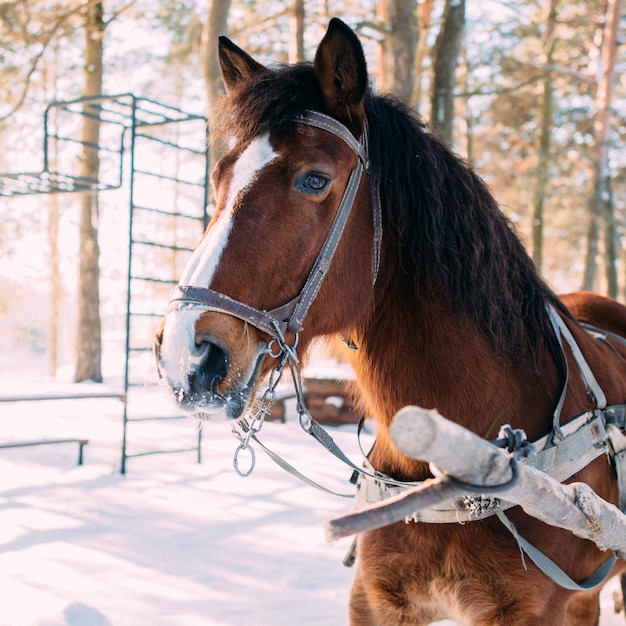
(211, 362)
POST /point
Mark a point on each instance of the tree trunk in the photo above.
(296, 32)
(396, 53)
(611, 244)
(89, 341)
(216, 25)
(445, 61)
(424, 23)
(56, 290)
(605, 97)
(600, 207)
(545, 134)
(55, 285)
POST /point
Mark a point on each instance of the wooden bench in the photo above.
(57, 391)
(69, 391)
(45, 442)
(329, 402)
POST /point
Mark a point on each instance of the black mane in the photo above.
(440, 216)
(448, 229)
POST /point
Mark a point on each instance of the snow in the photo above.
(172, 542)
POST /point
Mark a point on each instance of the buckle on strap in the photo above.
(615, 415)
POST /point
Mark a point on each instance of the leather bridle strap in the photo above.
(325, 122)
(322, 264)
(290, 316)
(273, 322)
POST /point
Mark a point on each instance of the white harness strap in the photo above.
(593, 388)
(585, 438)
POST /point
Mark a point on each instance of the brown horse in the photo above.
(446, 311)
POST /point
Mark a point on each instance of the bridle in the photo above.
(291, 316)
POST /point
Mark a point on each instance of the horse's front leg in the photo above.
(372, 605)
(360, 610)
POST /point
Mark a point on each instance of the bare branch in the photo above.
(45, 38)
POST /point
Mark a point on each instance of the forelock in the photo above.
(269, 100)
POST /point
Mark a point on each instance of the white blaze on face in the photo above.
(178, 349)
(203, 262)
(177, 345)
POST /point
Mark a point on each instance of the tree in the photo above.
(55, 286)
(216, 24)
(89, 341)
(424, 24)
(296, 38)
(28, 30)
(519, 134)
(446, 58)
(397, 48)
(507, 88)
(38, 38)
(600, 205)
(545, 135)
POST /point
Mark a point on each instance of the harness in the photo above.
(566, 450)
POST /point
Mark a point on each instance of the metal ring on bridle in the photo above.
(240, 447)
(269, 348)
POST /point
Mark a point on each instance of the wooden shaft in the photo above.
(386, 512)
(428, 436)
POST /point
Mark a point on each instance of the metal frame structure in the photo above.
(161, 151)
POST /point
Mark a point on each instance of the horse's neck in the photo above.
(434, 358)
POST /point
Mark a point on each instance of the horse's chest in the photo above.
(417, 574)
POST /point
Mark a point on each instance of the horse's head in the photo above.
(289, 199)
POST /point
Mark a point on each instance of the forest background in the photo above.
(531, 92)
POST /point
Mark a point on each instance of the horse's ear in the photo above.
(341, 71)
(235, 63)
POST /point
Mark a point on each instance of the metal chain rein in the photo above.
(245, 429)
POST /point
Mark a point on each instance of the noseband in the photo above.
(290, 316)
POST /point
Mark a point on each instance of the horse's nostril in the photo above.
(211, 367)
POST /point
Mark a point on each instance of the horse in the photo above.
(339, 217)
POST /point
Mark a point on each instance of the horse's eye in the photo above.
(312, 183)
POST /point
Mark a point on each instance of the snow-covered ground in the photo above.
(172, 542)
